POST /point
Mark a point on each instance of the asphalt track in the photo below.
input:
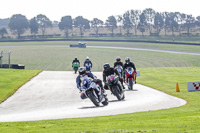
(53, 95)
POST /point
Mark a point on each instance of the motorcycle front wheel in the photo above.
(119, 94)
(130, 81)
(94, 99)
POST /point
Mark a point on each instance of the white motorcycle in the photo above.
(91, 90)
(120, 70)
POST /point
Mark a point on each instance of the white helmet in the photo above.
(87, 58)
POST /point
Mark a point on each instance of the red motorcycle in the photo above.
(130, 77)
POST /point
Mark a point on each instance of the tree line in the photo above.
(137, 20)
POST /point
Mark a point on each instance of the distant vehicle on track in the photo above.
(80, 45)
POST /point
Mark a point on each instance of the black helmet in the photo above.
(127, 59)
(106, 66)
(81, 70)
(118, 59)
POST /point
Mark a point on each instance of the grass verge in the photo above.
(12, 79)
(176, 120)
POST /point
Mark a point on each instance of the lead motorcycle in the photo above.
(130, 77)
(115, 86)
(75, 66)
(91, 90)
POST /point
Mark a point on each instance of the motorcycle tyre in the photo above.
(105, 102)
(118, 93)
(75, 70)
(130, 84)
(93, 99)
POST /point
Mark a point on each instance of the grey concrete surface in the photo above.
(53, 95)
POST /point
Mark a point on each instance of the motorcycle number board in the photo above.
(193, 85)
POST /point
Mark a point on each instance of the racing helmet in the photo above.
(106, 67)
(118, 59)
(82, 71)
(127, 60)
(87, 58)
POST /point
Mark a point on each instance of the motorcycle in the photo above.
(130, 77)
(115, 86)
(88, 67)
(75, 67)
(119, 69)
(91, 90)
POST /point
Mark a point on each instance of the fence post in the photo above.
(1, 59)
(9, 58)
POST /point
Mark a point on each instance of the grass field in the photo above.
(58, 56)
(158, 70)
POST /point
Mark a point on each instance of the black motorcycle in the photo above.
(115, 86)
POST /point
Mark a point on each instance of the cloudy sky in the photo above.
(102, 9)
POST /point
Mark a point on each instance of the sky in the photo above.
(89, 9)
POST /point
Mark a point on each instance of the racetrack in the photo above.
(53, 95)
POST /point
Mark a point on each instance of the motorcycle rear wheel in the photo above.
(105, 102)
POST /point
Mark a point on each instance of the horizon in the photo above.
(90, 9)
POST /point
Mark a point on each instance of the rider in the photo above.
(129, 64)
(109, 71)
(118, 62)
(82, 72)
(87, 62)
(75, 61)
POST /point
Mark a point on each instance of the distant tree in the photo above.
(158, 22)
(82, 24)
(2, 32)
(120, 23)
(96, 23)
(34, 26)
(43, 22)
(18, 24)
(142, 24)
(197, 23)
(111, 24)
(171, 22)
(180, 19)
(127, 24)
(135, 18)
(149, 15)
(66, 24)
(189, 23)
(164, 16)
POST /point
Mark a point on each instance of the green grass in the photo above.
(11, 80)
(58, 56)
(184, 119)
